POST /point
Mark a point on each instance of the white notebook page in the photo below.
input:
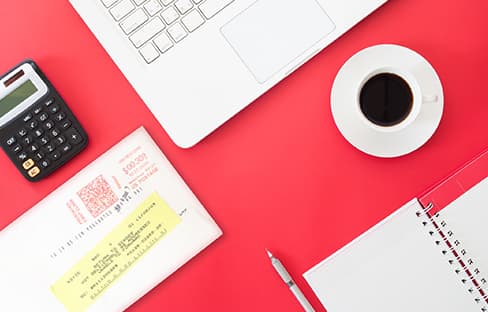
(395, 266)
(467, 218)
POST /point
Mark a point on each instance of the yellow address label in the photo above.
(100, 268)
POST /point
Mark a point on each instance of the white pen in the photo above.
(289, 281)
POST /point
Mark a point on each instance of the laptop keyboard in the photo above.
(155, 26)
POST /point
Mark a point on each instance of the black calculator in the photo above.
(38, 131)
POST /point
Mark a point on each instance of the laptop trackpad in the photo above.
(272, 33)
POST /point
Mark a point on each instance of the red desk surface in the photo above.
(279, 174)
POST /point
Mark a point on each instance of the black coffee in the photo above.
(386, 99)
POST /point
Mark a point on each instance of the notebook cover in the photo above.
(458, 208)
(463, 179)
(369, 272)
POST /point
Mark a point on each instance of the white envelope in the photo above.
(106, 237)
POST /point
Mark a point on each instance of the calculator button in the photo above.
(45, 163)
(34, 172)
(11, 141)
(66, 124)
(17, 148)
(60, 140)
(38, 132)
(27, 117)
(33, 124)
(55, 132)
(73, 136)
(33, 148)
(22, 132)
(50, 147)
(54, 109)
(44, 140)
(27, 140)
(49, 125)
(29, 163)
(22, 156)
(49, 102)
(43, 117)
(56, 155)
(39, 155)
(66, 148)
(37, 110)
(60, 116)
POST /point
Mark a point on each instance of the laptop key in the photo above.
(108, 3)
(149, 53)
(170, 15)
(192, 20)
(163, 42)
(177, 32)
(122, 9)
(147, 31)
(153, 7)
(133, 21)
(211, 7)
(155, 26)
(183, 6)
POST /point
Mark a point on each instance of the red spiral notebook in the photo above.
(430, 255)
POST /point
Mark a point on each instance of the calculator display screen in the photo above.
(19, 95)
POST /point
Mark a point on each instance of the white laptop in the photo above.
(196, 63)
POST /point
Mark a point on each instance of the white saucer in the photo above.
(344, 101)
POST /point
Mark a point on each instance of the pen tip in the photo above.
(269, 253)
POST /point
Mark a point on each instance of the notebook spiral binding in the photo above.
(457, 256)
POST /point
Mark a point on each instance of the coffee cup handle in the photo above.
(430, 98)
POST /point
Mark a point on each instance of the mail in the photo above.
(106, 237)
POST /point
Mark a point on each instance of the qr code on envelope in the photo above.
(97, 196)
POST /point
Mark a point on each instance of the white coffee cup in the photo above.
(417, 99)
(421, 115)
